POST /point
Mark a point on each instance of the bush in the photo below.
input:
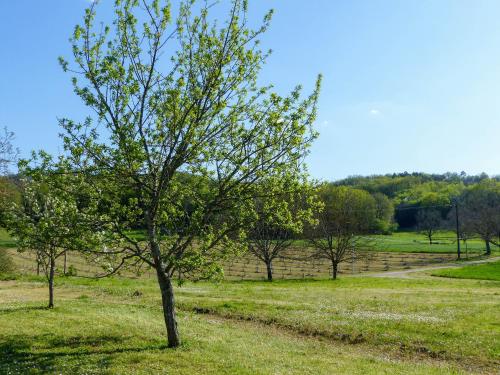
(6, 264)
(71, 271)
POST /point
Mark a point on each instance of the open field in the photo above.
(444, 242)
(296, 265)
(247, 267)
(488, 271)
(406, 242)
(359, 325)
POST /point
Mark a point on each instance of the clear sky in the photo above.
(408, 85)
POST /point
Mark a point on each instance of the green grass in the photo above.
(404, 242)
(413, 242)
(6, 240)
(487, 271)
(418, 243)
(351, 326)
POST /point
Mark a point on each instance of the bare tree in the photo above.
(8, 153)
(480, 212)
(429, 221)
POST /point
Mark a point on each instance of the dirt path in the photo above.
(407, 273)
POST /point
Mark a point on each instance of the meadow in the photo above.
(355, 325)
(488, 271)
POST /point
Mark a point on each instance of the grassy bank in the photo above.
(487, 271)
(351, 326)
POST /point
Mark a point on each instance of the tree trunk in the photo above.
(269, 270)
(334, 270)
(166, 288)
(488, 248)
(64, 271)
(51, 282)
(168, 304)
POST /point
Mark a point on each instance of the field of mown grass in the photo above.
(355, 325)
(443, 242)
(487, 271)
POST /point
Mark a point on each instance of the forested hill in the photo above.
(393, 184)
(411, 192)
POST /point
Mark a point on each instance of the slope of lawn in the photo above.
(5, 239)
(485, 271)
(350, 326)
(443, 242)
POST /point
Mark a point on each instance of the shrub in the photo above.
(6, 264)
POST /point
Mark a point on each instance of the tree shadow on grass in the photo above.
(14, 309)
(48, 353)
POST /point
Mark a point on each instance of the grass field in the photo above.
(355, 325)
(407, 241)
(296, 264)
(488, 271)
(444, 242)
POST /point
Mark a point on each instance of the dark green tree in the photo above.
(480, 212)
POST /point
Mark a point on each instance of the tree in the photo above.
(8, 156)
(174, 99)
(282, 210)
(428, 222)
(49, 219)
(384, 214)
(8, 153)
(347, 213)
(480, 208)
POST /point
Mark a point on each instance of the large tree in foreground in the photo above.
(181, 122)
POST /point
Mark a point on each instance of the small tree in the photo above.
(429, 221)
(282, 210)
(49, 220)
(347, 213)
(480, 211)
(177, 99)
(8, 156)
(8, 152)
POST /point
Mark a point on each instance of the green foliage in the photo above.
(71, 271)
(203, 115)
(346, 214)
(175, 98)
(283, 208)
(6, 264)
(53, 216)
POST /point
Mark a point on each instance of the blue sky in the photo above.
(408, 85)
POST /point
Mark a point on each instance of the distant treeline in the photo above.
(408, 193)
(412, 192)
